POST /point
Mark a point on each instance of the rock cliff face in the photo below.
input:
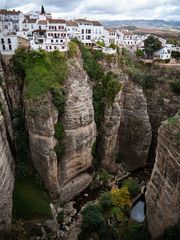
(6, 177)
(163, 190)
(6, 159)
(67, 176)
(134, 136)
(126, 129)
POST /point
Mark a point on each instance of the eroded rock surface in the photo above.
(6, 177)
(126, 131)
(163, 190)
(67, 176)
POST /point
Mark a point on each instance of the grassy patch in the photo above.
(173, 120)
(30, 200)
(41, 70)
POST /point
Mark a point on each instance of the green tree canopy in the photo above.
(151, 45)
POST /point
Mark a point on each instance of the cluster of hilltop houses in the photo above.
(39, 30)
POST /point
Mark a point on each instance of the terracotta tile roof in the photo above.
(9, 12)
(42, 22)
(94, 23)
(111, 29)
(57, 21)
(29, 20)
(71, 23)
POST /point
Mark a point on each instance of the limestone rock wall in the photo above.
(126, 132)
(163, 190)
(134, 136)
(41, 117)
(65, 177)
(6, 177)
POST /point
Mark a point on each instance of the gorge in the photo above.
(64, 117)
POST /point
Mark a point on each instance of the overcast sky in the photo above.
(102, 9)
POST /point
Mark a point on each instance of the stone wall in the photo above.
(163, 190)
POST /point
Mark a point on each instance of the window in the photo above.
(52, 40)
(82, 31)
(50, 47)
(56, 40)
(55, 47)
(47, 47)
(88, 31)
(61, 40)
(9, 40)
(4, 47)
(2, 40)
(88, 37)
(49, 27)
(10, 48)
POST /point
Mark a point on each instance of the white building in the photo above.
(11, 21)
(133, 41)
(113, 36)
(91, 31)
(163, 54)
(73, 30)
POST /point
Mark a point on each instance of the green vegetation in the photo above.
(106, 85)
(151, 45)
(24, 166)
(113, 46)
(178, 138)
(58, 97)
(175, 85)
(132, 185)
(173, 120)
(109, 219)
(59, 131)
(30, 200)
(100, 43)
(175, 55)
(73, 49)
(139, 53)
(1, 107)
(41, 70)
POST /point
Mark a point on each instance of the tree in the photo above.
(120, 197)
(139, 53)
(151, 45)
(42, 10)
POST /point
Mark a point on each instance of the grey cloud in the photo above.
(131, 9)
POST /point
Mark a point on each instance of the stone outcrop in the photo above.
(126, 131)
(134, 136)
(163, 190)
(41, 116)
(67, 176)
(6, 177)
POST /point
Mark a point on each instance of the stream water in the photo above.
(138, 212)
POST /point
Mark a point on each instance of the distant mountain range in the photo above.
(162, 24)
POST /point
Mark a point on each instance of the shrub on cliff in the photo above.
(132, 186)
(18, 62)
(175, 85)
(41, 70)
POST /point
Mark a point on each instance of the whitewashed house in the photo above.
(133, 41)
(163, 54)
(113, 36)
(91, 31)
(73, 30)
(11, 21)
(56, 35)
